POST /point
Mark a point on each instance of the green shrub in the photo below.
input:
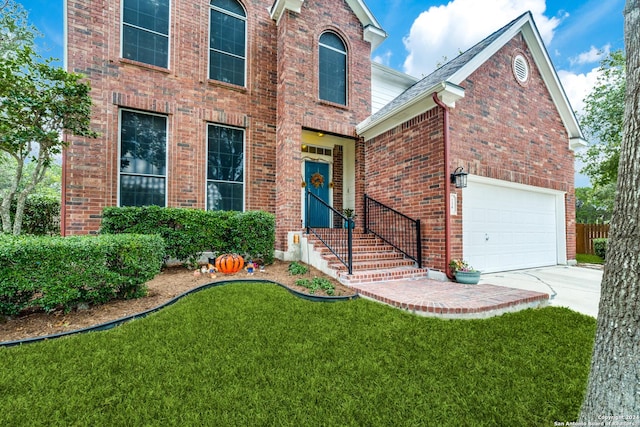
(41, 215)
(600, 247)
(54, 272)
(296, 269)
(317, 283)
(190, 232)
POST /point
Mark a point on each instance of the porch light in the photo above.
(459, 177)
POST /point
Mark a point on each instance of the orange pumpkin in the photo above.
(229, 263)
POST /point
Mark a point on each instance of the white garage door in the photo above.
(509, 228)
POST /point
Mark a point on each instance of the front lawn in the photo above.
(589, 259)
(253, 354)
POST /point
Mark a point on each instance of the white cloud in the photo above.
(444, 31)
(592, 55)
(384, 59)
(578, 86)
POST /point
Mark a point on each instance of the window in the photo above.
(225, 168)
(227, 42)
(333, 69)
(145, 31)
(143, 159)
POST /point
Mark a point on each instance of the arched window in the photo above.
(227, 42)
(333, 69)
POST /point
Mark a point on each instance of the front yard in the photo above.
(253, 354)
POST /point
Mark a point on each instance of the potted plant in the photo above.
(350, 214)
(463, 272)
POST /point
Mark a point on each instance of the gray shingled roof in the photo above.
(442, 74)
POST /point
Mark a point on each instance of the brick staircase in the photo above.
(373, 261)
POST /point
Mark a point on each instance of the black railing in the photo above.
(331, 227)
(395, 228)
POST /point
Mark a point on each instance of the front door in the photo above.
(316, 175)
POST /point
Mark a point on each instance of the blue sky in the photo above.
(421, 33)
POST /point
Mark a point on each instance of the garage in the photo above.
(510, 226)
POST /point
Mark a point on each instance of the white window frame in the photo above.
(165, 176)
(244, 165)
(246, 39)
(122, 25)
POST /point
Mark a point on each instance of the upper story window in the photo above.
(332, 69)
(227, 42)
(145, 31)
(143, 159)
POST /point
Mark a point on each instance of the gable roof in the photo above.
(373, 32)
(446, 80)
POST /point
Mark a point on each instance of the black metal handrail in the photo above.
(395, 228)
(330, 228)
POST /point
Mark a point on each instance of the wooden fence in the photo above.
(585, 233)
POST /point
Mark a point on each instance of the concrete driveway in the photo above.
(575, 287)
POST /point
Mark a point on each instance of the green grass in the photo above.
(589, 259)
(253, 354)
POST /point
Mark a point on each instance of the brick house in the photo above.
(247, 104)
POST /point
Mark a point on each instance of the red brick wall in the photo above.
(500, 130)
(279, 100)
(298, 105)
(183, 92)
(405, 170)
(505, 130)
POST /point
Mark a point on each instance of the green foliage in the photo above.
(53, 272)
(602, 121)
(600, 247)
(253, 354)
(15, 29)
(296, 269)
(595, 205)
(317, 283)
(38, 103)
(190, 232)
(41, 215)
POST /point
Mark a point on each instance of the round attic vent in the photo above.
(521, 68)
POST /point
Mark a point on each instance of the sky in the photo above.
(422, 33)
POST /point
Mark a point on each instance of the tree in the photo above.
(595, 205)
(602, 121)
(613, 388)
(15, 30)
(37, 103)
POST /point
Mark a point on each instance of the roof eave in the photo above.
(447, 92)
(526, 25)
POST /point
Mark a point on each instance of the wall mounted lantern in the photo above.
(459, 177)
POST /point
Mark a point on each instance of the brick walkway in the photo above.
(434, 298)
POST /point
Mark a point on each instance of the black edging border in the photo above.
(113, 323)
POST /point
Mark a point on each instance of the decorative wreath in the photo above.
(317, 180)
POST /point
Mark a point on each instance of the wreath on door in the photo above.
(317, 180)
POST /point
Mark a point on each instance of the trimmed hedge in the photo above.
(600, 247)
(50, 273)
(190, 232)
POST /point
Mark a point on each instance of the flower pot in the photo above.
(351, 223)
(468, 277)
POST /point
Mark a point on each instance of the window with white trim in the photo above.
(332, 69)
(145, 31)
(225, 168)
(227, 42)
(143, 159)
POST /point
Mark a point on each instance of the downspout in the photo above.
(63, 191)
(447, 188)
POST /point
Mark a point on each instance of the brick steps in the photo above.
(373, 260)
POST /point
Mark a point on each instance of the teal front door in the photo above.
(316, 175)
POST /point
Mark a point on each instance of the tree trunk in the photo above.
(613, 388)
(5, 207)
